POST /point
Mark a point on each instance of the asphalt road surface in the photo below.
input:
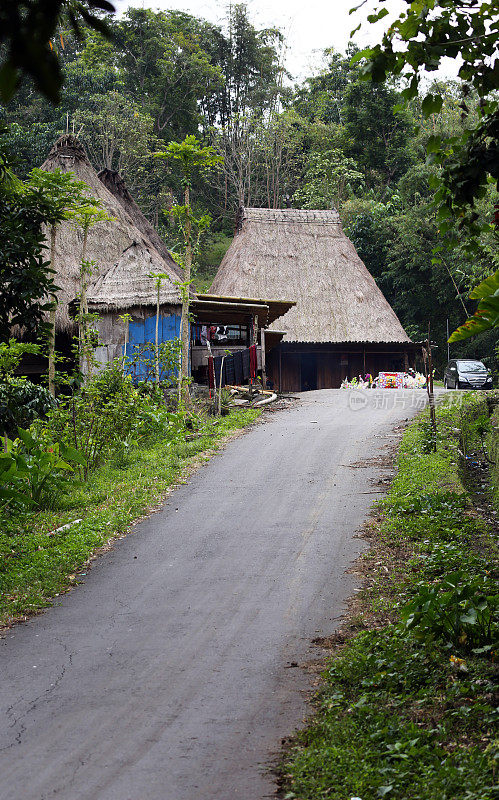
(168, 674)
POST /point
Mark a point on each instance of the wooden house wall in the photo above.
(284, 364)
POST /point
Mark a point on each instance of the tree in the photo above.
(85, 214)
(250, 62)
(161, 59)
(321, 97)
(330, 178)
(67, 195)
(26, 278)
(27, 31)
(486, 317)
(416, 43)
(377, 132)
(192, 157)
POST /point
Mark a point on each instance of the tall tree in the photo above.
(415, 44)
(191, 157)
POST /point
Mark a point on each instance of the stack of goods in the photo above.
(387, 380)
(391, 380)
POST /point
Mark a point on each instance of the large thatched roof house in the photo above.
(341, 325)
(125, 256)
(107, 241)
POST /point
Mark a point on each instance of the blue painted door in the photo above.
(141, 342)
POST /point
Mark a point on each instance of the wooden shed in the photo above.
(341, 325)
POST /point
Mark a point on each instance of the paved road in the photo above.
(166, 676)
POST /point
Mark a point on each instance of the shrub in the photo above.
(96, 418)
(459, 612)
(33, 472)
(21, 402)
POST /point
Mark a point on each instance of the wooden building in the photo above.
(341, 324)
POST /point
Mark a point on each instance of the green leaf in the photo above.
(432, 104)
(433, 144)
(490, 286)
(362, 54)
(379, 15)
(70, 454)
(26, 438)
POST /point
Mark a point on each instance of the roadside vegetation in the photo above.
(406, 708)
(77, 471)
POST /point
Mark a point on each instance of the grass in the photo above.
(403, 713)
(36, 567)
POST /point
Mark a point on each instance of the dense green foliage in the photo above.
(406, 708)
(25, 277)
(334, 139)
(27, 28)
(456, 29)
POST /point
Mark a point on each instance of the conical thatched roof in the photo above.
(107, 241)
(113, 181)
(305, 256)
(129, 284)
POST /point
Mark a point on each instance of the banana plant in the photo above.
(486, 316)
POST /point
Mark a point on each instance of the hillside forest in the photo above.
(330, 140)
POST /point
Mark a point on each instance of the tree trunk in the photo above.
(83, 310)
(51, 342)
(184, 321)
(157, 333)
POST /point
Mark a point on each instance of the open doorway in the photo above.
(308, 364)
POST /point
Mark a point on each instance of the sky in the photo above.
(308, 25)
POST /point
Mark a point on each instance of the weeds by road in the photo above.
(37, 565)
(407, 704)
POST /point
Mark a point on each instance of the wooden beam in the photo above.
(264, 369)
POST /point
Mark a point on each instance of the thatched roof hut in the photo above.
(107, 241)
(341, 325)
(305, 256)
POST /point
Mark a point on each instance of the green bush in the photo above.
(97, 418)
(33, 472)
(458, 612)
(21, 402)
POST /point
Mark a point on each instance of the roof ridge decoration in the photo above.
(291, 215)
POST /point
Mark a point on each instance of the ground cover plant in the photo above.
(99, 460)
(406, 708)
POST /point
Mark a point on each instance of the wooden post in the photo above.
(264, 370)
(429, 386)
(127, 329)
(252, 342)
